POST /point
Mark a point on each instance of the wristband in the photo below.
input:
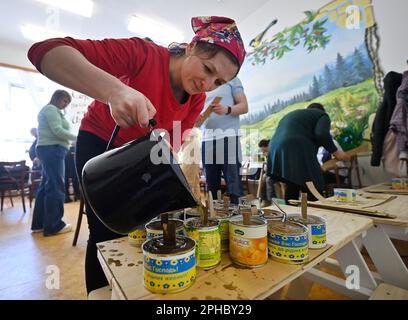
(229, 110)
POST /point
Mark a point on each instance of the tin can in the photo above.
(154, 228)
(345, 195)
(249, 201)
(399, 183)
(272, 215)
(288, 242)
(191, 213)
(137, 237)
(223, 216)
(208, 238)
(248, 243)
(245, 208)
(316, 227)
(219, 205)
(168, 270)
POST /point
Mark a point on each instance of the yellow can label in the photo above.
(248, 246)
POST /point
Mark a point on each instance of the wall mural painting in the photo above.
(330, 57)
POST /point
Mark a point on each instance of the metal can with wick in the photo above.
(288, 242)
(154, 228)
(248, 241)
(223, 216)
(255, 211)
(317, 229)
(137, 237)
(272, 215)
(208, 238)
(169, 269)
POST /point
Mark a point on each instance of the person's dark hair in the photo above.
(58, 95)
(202, 47)
(316, 105)
(263, 143)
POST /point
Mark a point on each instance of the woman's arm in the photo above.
(69, 67)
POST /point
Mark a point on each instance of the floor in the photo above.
(31, 264)
(42, 268)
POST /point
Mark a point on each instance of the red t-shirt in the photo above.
(141, 65)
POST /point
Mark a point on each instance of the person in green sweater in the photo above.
(53, 142)
(293, 149)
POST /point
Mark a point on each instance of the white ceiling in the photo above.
(110, 17)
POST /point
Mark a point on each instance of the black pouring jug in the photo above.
(126, 186)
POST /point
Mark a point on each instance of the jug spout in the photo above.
(125, 188)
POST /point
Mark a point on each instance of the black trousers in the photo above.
(88, 146)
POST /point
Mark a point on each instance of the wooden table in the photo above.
(123, 267)
(391, 268)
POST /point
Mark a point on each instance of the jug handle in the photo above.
(115, 132)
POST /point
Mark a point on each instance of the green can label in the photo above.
(208, 249)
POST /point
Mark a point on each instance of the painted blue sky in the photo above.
(281, 79)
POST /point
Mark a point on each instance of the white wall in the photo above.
(14, 55)
(391, 17)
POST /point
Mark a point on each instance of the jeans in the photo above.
(88, 146)
(49, 203)
(70, 173)
(223, 156)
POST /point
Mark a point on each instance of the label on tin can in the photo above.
(248, 245)
(170, 273)
(345, 195)
(317, 236)
(208, 249)
(137, 237)
(288, 249)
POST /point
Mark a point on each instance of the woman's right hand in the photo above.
(342, 156)
(129, 107)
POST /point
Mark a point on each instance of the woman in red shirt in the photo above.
(132, 81)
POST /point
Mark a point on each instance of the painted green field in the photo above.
(348, 108)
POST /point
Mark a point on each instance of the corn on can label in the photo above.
(169, 274)
(208, 249)
(248, 245)
(317, 236)
(288, 249)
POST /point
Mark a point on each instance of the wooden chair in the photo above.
(347, 179)
(14, 177)
(79, 219)
(35, 178)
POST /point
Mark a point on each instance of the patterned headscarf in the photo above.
(220, 31)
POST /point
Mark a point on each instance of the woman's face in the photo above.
(63, 103)
(199, 73)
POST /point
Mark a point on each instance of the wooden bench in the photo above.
(387, 291)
